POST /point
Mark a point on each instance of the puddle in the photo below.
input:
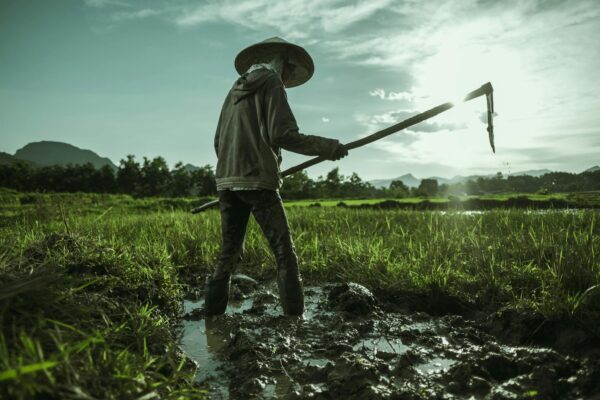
(435, 365)
(381, 344)
(348, 346)
(317, 362)
(204, 339)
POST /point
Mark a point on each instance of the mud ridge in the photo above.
(520, 202)
(567, 336)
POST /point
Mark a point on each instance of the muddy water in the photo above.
(348, 346)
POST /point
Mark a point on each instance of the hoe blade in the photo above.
(490, 118)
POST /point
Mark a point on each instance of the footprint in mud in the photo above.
(349, 345)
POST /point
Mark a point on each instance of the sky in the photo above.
(149, 77)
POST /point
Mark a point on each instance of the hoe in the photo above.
(486, 90)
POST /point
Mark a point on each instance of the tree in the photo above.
(181, 181)
(156, 177)
(398, 189)
(333, 182)
(427, 187)
(128, 175)
(51, 178)
(353, 186)
(204, 182)
(80, 178)
(472, 188)
(522, 184)
(104, 179)
(19, 175)
(443, 189)
(297, 186)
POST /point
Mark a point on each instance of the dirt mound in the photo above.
(352, 298)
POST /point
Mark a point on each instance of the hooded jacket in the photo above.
(256, 122)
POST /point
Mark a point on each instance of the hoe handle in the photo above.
(486, 89)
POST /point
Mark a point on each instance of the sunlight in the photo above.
(459, 66)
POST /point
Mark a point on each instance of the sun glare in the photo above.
(459, 66)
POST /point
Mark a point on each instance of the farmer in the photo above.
(256, 122)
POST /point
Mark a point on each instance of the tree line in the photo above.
(553, 182)
(153, 177)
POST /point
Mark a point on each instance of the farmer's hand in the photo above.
(338, 152)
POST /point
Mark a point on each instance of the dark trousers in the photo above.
(267, 208)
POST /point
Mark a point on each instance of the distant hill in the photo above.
(593, 169)
(52, 153)
(7, 159)
(533, 172)
(408, 179)
(190, 168)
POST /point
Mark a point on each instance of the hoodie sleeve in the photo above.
(283, 130)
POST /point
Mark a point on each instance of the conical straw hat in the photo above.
(264, 52)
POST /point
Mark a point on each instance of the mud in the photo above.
(353, 344)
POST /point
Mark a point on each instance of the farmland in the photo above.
(92, 286)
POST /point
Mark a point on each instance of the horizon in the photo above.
(406, 174)
(121, 77)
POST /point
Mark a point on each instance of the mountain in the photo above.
(189, 168)
(408, 179)
(52, 153)
(593, 169)
(7, 159)
(533, 172)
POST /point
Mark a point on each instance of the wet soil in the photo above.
(354, 344)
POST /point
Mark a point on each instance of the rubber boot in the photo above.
(291, 294)
(217, 296)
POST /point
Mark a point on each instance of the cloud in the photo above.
(483, 116)
(336, 19)
(325, 119)
(377, 122)
(293, 18)
(554, 156)
(134, 15)
(378, 93)
(391, 95)
(105, 3)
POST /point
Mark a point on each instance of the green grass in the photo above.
(88, 311)
(90, 290)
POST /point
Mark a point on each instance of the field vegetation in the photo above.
(91, 286)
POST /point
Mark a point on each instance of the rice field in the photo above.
(91, 287)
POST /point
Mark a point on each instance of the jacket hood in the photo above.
(249, 83)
